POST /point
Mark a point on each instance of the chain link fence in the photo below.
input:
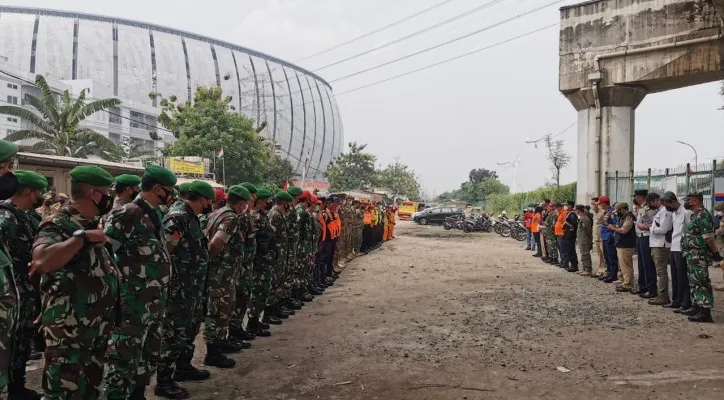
(705, 178)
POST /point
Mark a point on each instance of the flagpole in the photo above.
(223, 168)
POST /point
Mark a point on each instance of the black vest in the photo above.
(628, 240)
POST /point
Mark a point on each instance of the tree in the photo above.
(479, 175)
(400, 179)
(208, 125)
(481, 185)
(58, 131)
(558, 158)
(353, 170)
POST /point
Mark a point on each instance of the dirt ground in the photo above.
(444, 315)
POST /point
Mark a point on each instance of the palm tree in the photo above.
(58, 131)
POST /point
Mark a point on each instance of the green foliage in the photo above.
(400, 179)
(514, 203)
(209, 124)
(558, 158)
(482, 184)
(353, 170)
(58, 131)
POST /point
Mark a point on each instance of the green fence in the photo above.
(705, 178)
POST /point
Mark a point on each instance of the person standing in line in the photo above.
(278, 223)
(585, 240)
(558, 230)
(79, 287)
(608, 240)
(570, 230)
(528, 220)
(699, 248)
(291, 285)
(263, 263)
(646, 268)
(719, 238)
(135, 232)
(551, 241)
(660, 230)
(625, 236)
(127, 188)
(681, 296)
(597, 219)
(535, 230)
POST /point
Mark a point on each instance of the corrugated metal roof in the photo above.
(45, 159)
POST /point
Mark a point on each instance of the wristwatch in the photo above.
(80, 233)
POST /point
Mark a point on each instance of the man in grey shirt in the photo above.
(660, 230)
(681, 299)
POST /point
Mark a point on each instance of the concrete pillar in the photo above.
(606, 135)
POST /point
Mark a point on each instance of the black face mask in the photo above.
(687, 206)
(207, 209)
(105, 204)
(269, 205)
(166, 198)
(8, 185)
(39, 202)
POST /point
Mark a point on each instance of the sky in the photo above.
(474, 112)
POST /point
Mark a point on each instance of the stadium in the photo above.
(129, 59)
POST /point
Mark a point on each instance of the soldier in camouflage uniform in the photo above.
(304, 248)
(8, 289)
(226, 246)
(279, 225)
(264, 261)
(698, 246)
(186, 293)
(79, 286)
(549, 234)
(135, 232)
(293, 294)
(244, 286)
(127, 188)
(17, 233)
(584, 236)
(719, 237)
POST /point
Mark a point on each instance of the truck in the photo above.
(407, 209)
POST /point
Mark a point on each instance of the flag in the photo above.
(286, 184)
(221, 152)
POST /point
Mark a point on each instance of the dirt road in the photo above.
(440, 315)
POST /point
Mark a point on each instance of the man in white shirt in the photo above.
(660, 229)
(681, 299)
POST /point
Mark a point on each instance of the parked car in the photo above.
(437, 215)
(420, 212)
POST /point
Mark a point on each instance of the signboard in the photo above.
(186, 167)
(719, 189)
(311, 185)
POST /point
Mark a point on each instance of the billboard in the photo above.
(186, 167)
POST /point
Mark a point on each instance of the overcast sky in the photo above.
(442, 122)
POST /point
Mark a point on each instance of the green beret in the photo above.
(202, 188)
(160, 175)
(7, 150)
(240, 192)
(31, 179)
(263, 194)
(251, 188)
(129, 179)
(295, 191)
(184, 187)
(91, 175)
(284, 196)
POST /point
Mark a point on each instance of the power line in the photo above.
(417, 33)
(368, 34)
(437, 46)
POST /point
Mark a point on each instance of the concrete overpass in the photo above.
(615, 52)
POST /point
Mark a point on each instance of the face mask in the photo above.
(166, 198)
(687, 206)
(8, 185)
(134, 194)
(720, 213)
(207, 209)
(105, 204)
(38, 200)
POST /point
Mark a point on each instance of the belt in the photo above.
(642, 235)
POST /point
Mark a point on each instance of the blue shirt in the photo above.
(609, 218)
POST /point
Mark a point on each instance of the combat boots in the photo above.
(270, 319)
(316, 291)
(257, 329)
(241, 334)
(294, 304)
(228, 346)
(139, 393)
(306, 297)
(215, 358)
(187, 372)
(704, 315)
(165, 387)
(17, 389)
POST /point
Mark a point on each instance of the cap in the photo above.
(306, 195)
(201, 188)
(91, 175)
(263, 194)
(160, 175)
(250, 187)
(129, 179)
(621, 206)
(604, 200)
(8, 150)
(294, 191)
(641, 192)
(31, 179)
(652, 196)
(240, 192)
(719, 206)
(695, 194)
(283, 196)
(220, 195)
(580, 207)
(184, 188)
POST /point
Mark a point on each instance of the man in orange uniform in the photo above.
(561, 215)
(367, 230)
(391, 222)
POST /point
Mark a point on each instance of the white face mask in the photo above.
(720, 213)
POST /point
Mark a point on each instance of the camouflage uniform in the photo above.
(698, 256)
(185, 305)
(585, 242)
(17, 232)
(245, 283)
(304, 249)
(8, 315)
(264, 262)
(551, 246)
(279, 226)
(291, 218)
(223, 275)
(78, 312)
(136, 234)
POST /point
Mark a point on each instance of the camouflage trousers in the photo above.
(223, 278)
(135, 346)
(290, 279)
(301, 272)
(586, 262)
(261, 284)
(184, 312)
(244, 288)
(698, 271)
(551, 246)
(75, 373)
(279, 276)
(24, 332)
(8, 318)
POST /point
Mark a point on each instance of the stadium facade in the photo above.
(128, 60)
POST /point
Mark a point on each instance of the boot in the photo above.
(139, 393)
(704, 315)
(691, 311)
(17, 389)
(256, 327)
(306, 297)
(215, 358)
(284, 311)
(660, 300)
(187, 372)
(241, 334)
(165, 387)
(35, 352)
(315, 291)
(261, 324)
(236, 342)
(228, 347)
(270, 319)
(294, 304)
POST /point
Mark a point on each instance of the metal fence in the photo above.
(705, 178)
